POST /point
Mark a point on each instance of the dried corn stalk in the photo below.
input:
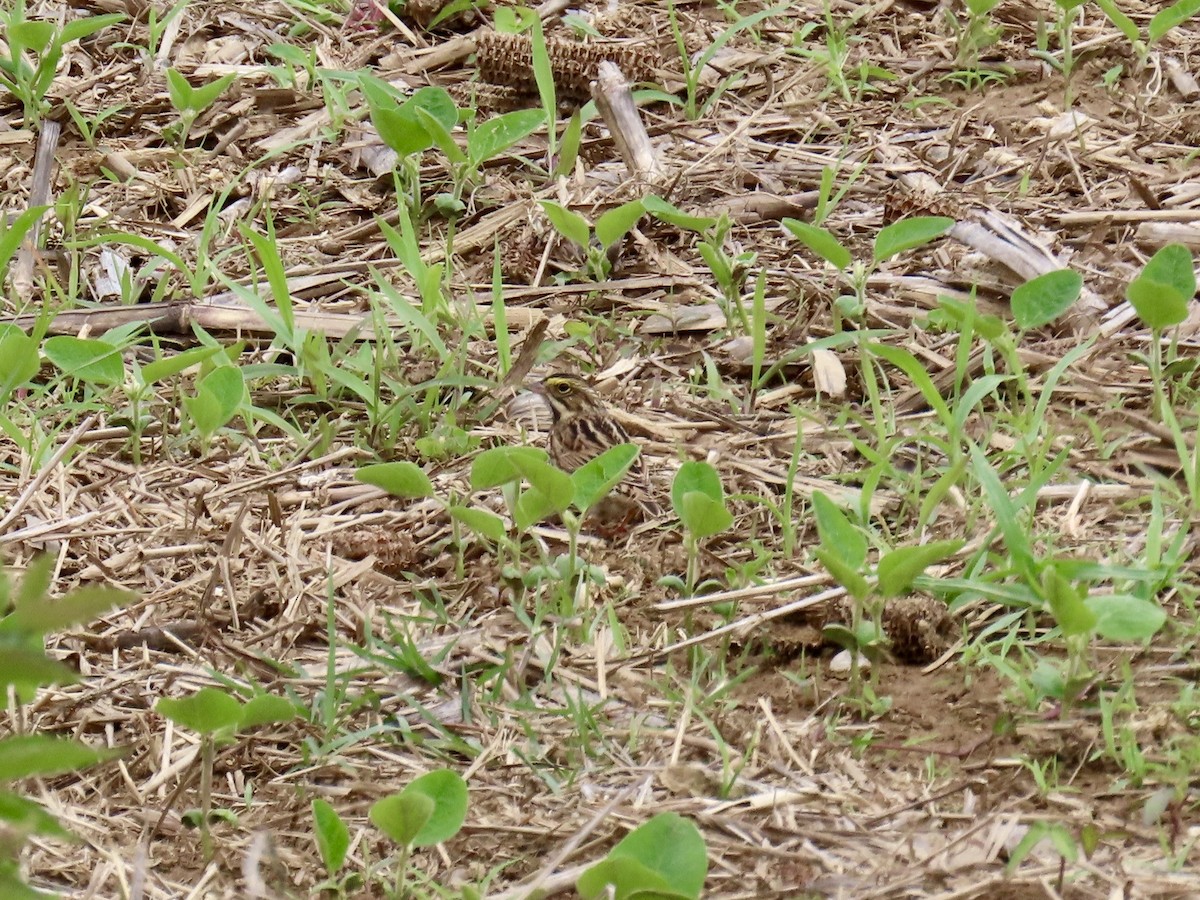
(507, 59)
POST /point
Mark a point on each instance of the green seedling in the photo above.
(1160, 295)
(430, 810)
(1058, 586)
(693, 69)
(333, 842)
(1064, 61)
(216, 716)
(13, 234)
(1162, 23)
(1065, 843)
(843, 552)
(403, 129)
(600, 245)
(89, 127)
(33, 50)
(665, 858)
(485, 141)
(429, 279)
(975, 34)
(24, 669)
(400, 479)
(834, 56)
(698, 498)
(1043, 299)
(891, 240)
(190, 101)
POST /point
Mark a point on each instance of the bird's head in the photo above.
(567, 395)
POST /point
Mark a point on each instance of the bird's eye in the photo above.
(563, 388)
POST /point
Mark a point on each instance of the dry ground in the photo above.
(243, 544)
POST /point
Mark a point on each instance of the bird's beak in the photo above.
(538, 388)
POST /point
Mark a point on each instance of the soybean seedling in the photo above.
(32, 51)
(665, 857)
(698, 498)
(430, 810)
(843, 552)
(598, 245)
(1160, 295)
(190, 101)
(891, 240)
(216, 716)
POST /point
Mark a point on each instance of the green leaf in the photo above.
(1172, 265)
(89, 360)
(156, 371)
(207, 711)
(13, 888)
(673, 215)
(598, 476)
(1041, 300)
(542, 476)
(837, 534)
(1158, 305)
(1067, 605)
(1175, 14)
(26, 817)
(204, 96)
(441, 136)
(695, 475)
(543, 76)
(919, 375)
(820, 242)
(671, 847)
(483, 522)
(626, 876)
(1161, 292)
(35, 583)
(616, 223)
(22, 756)
(1125, 618)
(79, 607)
(1016, 538)
(11, 235)
(495, 467)
(401, 817)
(78, 29)
(265, 709)
(218, 396)
(267, 250)
(18, 360)
(448, 792)
(1124, 24)
(843, 573)
(179, 90)
(398, 124)
(907, 234)
(534, 506)
(29, 668)
(703, 516)
(513, 19)
(403, 479)
(496, 135)
(570, 225)
(568, 149)
(333, 837)
(901, 566)
(34, 35)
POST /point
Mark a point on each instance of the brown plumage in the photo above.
(583, 427)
